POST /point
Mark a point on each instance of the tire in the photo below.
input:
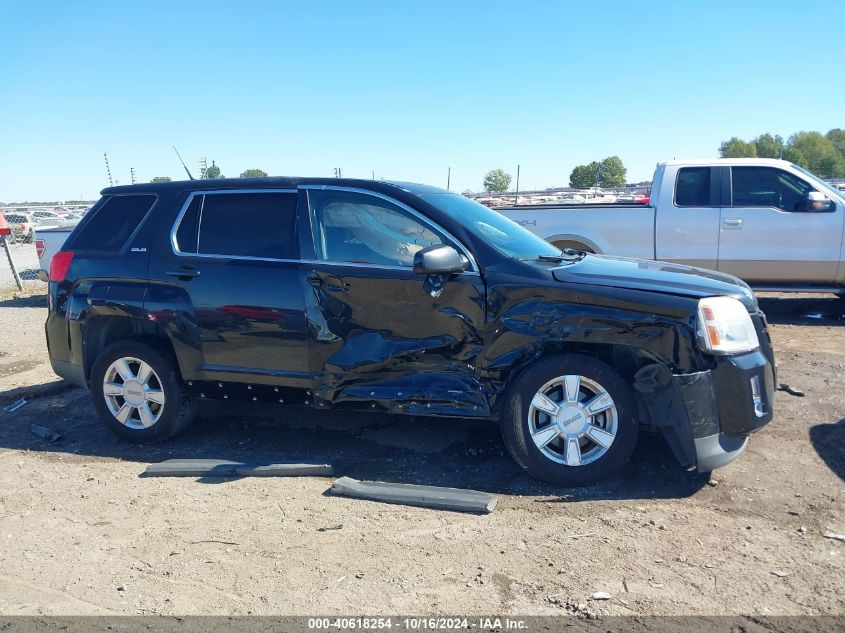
(523, 419)
(165, 396)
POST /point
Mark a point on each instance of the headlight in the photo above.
(725, 327)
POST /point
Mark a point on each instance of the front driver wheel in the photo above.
(139, 393)
(569, 420)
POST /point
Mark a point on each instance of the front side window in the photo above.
(240, 225)
(357, 228)
(767, 187)
(693, 187)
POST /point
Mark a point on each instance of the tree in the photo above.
(612, 172)
(820, 153)
(737, 148)
(837, 137)
(497, 180)
(832, 166)
(584, 176)
(794, 155)
(768, 146)
(254, 173)
(213, 172)
(161, 179)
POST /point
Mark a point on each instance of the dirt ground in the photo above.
(82, 533)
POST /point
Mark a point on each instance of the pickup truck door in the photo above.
(687, 217)
(382, 336)
(765, 237)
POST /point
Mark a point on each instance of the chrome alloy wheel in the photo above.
(572, 420)
(133, 393)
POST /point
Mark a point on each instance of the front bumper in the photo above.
(707, 416)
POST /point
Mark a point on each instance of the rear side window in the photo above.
(113, 223)
(240, 225)
(693, 187)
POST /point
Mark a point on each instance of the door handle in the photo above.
(332, 284)
(184, 273)
(732, 223)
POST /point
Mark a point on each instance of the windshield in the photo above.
(505, 235)
(821, 184)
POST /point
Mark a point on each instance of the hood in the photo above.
(665, 277)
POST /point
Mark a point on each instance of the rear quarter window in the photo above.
(113, 223)
(692, 189)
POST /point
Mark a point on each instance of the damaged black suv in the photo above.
(400, 298)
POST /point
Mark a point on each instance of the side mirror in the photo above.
(439, 259)
(816, 202)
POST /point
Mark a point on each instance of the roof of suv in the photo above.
(273, 182)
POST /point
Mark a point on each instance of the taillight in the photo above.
(59, 265)
(39, 248)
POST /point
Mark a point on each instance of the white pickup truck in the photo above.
(767, 221)
(48, 241)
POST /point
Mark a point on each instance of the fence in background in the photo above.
(26, 261)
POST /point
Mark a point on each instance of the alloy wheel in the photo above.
(572, 420)
(133, 393)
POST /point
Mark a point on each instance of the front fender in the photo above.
(528, 320)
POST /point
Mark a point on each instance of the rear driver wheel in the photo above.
(139, 393)
(569, 420)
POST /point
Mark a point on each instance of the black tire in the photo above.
(515, 423)
(179, 407)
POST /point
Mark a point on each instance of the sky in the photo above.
(400, 90)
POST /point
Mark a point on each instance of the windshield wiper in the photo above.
(566, 254)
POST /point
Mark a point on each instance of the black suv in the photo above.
(400, 298)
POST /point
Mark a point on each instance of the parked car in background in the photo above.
(47, 218)
(400, 298)
(22, 225)
(769, 222)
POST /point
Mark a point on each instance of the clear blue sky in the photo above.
(403, 88)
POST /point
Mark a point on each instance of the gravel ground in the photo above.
(83, 534)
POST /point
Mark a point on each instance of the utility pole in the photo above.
(448, 178)
(338, 173)
(108, 169)
(516, 196)
(203, 167)
(132, 174)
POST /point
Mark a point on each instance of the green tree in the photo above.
(820, 153)
(837, 137)
(794, 155)
(737, 148)
(213, 172)
(497, 180)
(161, 179)
(583, 176)
(254, 173)
(832, 166)
(768, 146)
(612, 172)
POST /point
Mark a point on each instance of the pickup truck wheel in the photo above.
(568, 420)
(139, 394)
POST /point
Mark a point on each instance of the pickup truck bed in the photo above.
(626, 229)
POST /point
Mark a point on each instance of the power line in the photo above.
(108, 169)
